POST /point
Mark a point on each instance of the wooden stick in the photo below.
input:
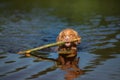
(44, 46)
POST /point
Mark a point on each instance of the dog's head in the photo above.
(67, 35)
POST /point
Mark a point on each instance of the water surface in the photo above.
(28, 24)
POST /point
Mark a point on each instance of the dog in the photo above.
(68, 51)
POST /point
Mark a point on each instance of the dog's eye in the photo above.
(63, 36)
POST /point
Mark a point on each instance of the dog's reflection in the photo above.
(71, 74)
(72, 69)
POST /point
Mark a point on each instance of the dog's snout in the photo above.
(67, 38)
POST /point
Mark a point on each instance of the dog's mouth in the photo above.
(67, 44)
(67, 41)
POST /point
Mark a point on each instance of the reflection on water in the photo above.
(72, 71)
(28, 24)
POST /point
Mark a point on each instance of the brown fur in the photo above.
(68, 35)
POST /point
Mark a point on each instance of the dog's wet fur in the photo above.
(67, 35)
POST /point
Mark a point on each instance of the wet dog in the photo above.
(68, 51)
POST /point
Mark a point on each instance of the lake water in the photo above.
(29, 24)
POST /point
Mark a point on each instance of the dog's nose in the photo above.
(67, 38)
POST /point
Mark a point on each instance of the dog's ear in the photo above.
(60, 37)
(76, 34)
(77, 37)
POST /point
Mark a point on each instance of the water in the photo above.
(28, 24)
